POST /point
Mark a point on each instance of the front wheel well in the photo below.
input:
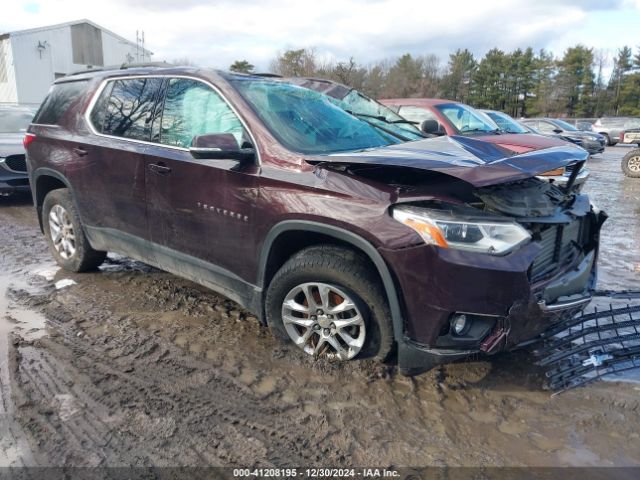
(288, 243)
(290, 237)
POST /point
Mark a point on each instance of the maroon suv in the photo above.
(341, 237)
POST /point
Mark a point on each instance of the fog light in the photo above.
(459, 324)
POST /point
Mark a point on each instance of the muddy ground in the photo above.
(134, 366)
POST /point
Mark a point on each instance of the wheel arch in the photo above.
(44, 180)
(276, 250)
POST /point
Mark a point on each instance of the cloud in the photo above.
(216, 34)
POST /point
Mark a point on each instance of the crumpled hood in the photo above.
(475, 161)
(11, 144)
(522, 142)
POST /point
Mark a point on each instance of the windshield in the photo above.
(467, 120)
(506, 123)
(379, 114)
(306, 121)
(14, 121)
(565, 126)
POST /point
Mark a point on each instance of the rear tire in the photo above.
(608, 139)
(309, 291)
(65, 235)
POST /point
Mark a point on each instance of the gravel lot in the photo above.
(131, 366)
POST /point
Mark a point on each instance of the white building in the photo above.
(30, 60)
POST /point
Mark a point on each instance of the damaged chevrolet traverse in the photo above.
(344, 239)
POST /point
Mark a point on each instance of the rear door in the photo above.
(109, 179)
(199, 210)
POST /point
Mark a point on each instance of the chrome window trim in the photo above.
(48, 125)
(103, 84)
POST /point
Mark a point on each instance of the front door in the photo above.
(200, 211)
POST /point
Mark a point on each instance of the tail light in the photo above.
(28, 138)
(621, 137)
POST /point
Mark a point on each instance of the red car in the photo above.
(448, 117)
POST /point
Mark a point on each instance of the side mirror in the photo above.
(557, 130)
(432, 127)
(219, 146)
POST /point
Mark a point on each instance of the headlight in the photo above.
(445, 230)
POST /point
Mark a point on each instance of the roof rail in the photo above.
(123, 66)
(267, 75)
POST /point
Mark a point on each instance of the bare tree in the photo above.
(295, 63)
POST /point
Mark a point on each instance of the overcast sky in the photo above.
(215, 33)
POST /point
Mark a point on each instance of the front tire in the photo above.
(631, 163)
(65, 236)
(329, 302)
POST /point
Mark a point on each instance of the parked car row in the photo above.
(592, 142)
(445, 117)
(332, 218)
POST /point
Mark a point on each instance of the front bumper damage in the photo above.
(550, 305)
(495, 288)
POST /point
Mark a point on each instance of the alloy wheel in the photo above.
(62, 234)
(322, 319)
(634, 163)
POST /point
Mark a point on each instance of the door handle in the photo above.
(81, 152)
(159, 168)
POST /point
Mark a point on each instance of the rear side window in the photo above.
(125, 107)
(58, 102)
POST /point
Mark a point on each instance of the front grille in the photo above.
(17, 163)
(560, 244)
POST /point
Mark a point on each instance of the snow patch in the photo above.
(65, 282)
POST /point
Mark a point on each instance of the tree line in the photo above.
(581, 83)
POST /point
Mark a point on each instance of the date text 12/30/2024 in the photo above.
(315, 472)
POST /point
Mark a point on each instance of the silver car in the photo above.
(612, 127)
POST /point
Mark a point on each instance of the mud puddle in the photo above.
(137, 367)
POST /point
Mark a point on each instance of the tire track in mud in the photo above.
(87, 401)
(159, 378)
(15, 450)
(242, 427)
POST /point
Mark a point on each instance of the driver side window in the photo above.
(192, 108)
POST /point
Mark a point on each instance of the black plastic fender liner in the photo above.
(592, 345)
